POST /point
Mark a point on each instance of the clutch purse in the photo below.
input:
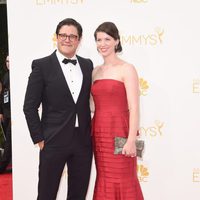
(120, 142)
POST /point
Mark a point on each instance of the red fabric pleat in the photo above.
(116, 174)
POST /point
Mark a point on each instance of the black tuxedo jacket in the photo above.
(47, 87)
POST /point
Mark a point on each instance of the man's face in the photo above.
(68, 40)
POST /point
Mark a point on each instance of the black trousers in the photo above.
(78, 158)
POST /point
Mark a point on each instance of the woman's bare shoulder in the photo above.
(128, 67)
(95, 71)
(96, 67)
(129, 71)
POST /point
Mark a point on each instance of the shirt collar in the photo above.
(61, 56)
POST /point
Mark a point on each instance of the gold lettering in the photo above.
(159, 125)
(59, 1)
(148, 39)
(139, 1)
(153, 39)
(40, 2)
(76, 1)
(160, 34)
(196, 175)
(143, 131)
(145, 39)
(152, 131)
(126, 39)
(43, 2)
(142, 178)
(196, 86)
(136, 39)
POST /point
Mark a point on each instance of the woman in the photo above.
(115, 93)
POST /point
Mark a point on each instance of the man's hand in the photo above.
(41, 144)
(1, 117)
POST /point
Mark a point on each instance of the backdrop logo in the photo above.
(138, 1)
(143, 173)
(54, 40)
(55, 2)
(154, 38)
(154, 130)
(196, 175)
(196, 86)
(144, 86)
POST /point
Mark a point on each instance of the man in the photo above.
(61, 84)
(5, 119)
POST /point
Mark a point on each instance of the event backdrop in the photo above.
(161, 38)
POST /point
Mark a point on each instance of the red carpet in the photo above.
(6, 186)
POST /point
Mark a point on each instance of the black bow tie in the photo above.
(65, 61)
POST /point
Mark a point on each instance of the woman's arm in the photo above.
(92, 107)
(132, 90)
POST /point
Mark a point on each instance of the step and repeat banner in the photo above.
(161, 38)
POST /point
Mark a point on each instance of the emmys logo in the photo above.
(152, 39)
(154, 130)
(196, 175)
(143, 173)
(143, 87)
(55, 2)
(54, 40)
(139, 1)
(196, 86)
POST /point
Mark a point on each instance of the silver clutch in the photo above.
(120, 142)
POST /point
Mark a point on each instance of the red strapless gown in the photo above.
(116, 174)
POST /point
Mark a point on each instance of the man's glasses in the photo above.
(64, 36)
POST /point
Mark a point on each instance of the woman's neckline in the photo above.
(108, 79)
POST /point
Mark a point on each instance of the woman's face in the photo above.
(105, 44)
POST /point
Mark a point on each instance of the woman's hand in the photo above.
(129, 149)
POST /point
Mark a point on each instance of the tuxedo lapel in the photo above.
(61, 77)
(84, 72)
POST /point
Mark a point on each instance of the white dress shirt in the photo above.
(73, 76)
